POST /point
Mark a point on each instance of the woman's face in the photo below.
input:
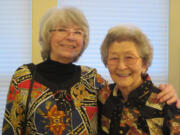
(125, 64)
(66, 43)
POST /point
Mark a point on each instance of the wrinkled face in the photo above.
(125, 64)
(66, 43)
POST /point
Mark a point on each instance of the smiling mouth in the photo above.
(123, 75)
(67, 46)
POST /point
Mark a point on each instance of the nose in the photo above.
(121, 65)
(70, 35)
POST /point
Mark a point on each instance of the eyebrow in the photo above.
(128, 52)
(66, 27)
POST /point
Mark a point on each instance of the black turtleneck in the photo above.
(56, 75)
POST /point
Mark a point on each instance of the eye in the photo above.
(62, 30)
(129, 57)
(130, 60)
(78, 32)
(114, 58)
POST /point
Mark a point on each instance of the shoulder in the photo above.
(90, 74)
(89, 71)
(22, 72)
(86, 69)
(155, 89)
(152, 100)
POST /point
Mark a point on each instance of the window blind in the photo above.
(15, 43)
(150, 16)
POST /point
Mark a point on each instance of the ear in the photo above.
(144, 69)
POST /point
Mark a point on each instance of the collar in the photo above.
(140, 94)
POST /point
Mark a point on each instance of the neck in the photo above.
(127, 90)
(125, 93)
(60, 60)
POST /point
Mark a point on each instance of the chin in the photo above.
(125, 84)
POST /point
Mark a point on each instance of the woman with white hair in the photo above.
(63, 97)
(131, 107)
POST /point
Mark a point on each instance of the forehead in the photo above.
(123, 47)
(69, 27)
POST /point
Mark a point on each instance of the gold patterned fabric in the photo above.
(70, 111)
(141, 114)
